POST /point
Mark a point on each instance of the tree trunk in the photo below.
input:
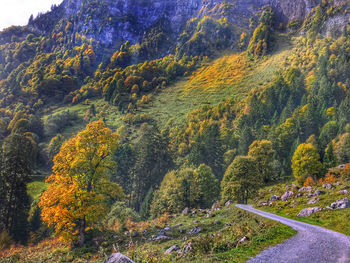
(82, 233)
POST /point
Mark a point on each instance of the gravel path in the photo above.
(311, 244)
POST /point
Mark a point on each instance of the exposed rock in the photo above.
(135, 234)
(313, 200)
(270, 190)
(327, 186)
(195, 231)
(343, 192)
(274, 198)
(341, 204)
(229, 202)
(166, 228)
(186, 211)
(172, 249)
(182, 231)
(309, 211)
(188, 247)
(196, 222)
(227, 224)
(243, 239)
(299, 194)
(118, 258)
(320, 192)
(263, 203)
(161, 237)
(216, 222)
(345, 187)
(215, 206)
(305, 189)
(287, 195)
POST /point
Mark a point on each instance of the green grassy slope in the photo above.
(337, 220)
(217, 242)
(230, 76)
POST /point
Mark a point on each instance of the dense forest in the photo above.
(83, 115)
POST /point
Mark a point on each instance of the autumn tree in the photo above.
(262, 153)
(79, 190)
(305, 162)
(241, 180)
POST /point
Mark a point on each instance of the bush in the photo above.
(120, 213)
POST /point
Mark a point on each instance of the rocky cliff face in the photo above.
(132, 18)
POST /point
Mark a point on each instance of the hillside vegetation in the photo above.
(135, 122)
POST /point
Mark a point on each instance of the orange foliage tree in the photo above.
(79, 190)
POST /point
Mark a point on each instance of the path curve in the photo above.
(311, 244)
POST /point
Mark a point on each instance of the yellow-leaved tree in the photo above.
(79, 190)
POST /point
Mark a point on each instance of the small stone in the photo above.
(195, 231)
(263, 203)
(320, 192)
(185, 211)
(309, 211)
(216, 222)
(343, 192)
(243, 239)
(144, 232)
(327, 186)
(287, 195)
(182, 231)
(188, 247)
(274, 198)
(270, 190)
(305, 189)
(135, 234)
(166, 228)
(229, 202)
(313, 200)
(215, 206)
(196, 222)
(299, 194)
(227, 224)
(172, 249)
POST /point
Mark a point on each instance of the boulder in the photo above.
(309, 211)
(118, 258)
(341, 204)
(274, 198)
(172, 249)
(161, 237)
(305, 189)
(287, 195)
(320, 192)
(186, 211)
(343, 192)
(327, 186)
(313, 200)
(195, 231)
(188, 247)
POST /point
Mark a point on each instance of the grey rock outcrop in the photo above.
(172, 249)
(287, 195)
(118, 258)
(309, 211)
(341, 204)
